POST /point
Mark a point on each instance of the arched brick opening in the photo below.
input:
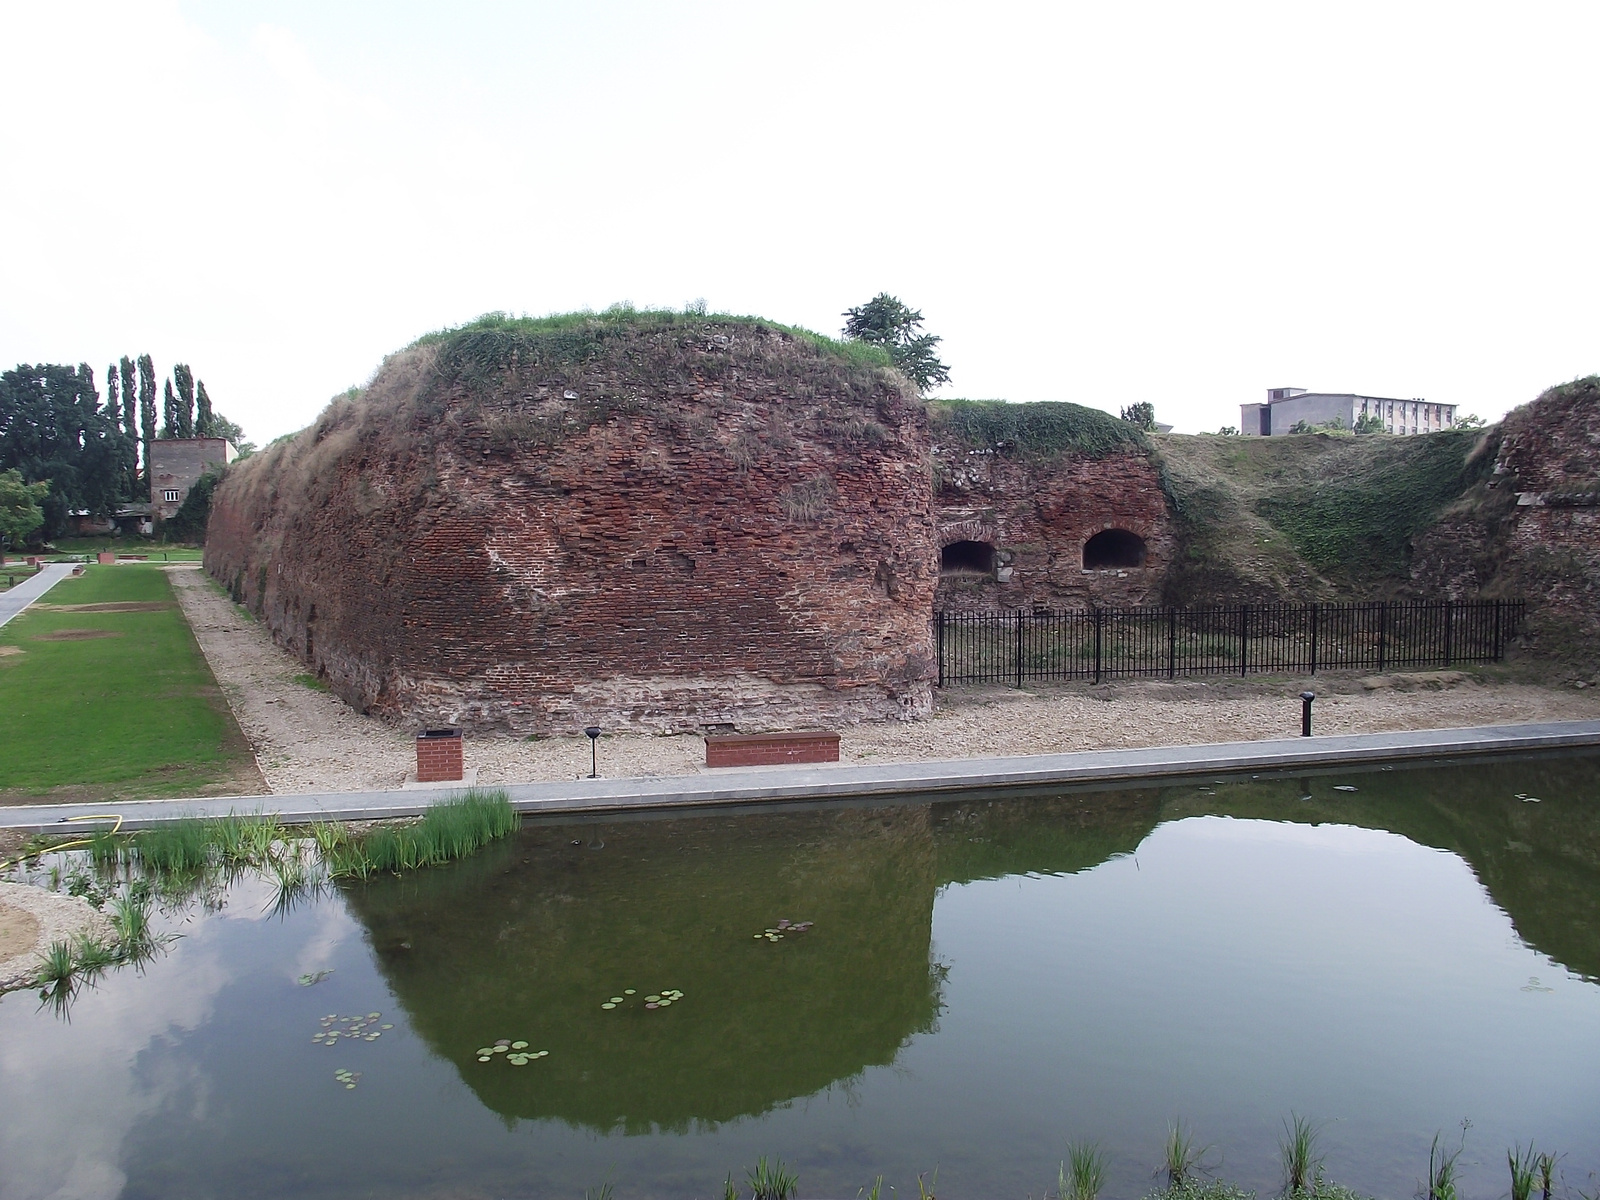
(1112, 548)
(966, 558)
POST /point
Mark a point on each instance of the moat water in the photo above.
(1389, 953)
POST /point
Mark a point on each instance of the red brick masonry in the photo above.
(439, 756)
(768, 749)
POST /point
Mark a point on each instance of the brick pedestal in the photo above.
(771, 749)
(439, 755)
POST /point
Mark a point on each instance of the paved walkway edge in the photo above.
(853, 782)
(15, 601)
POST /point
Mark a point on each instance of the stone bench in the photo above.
(770, 749)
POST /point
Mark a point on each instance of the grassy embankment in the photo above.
(1312, 517)
(116, 703)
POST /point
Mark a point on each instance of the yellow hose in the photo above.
(117, 817)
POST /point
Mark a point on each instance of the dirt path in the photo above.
(307, 740)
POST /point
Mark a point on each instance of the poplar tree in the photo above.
(184, 379)
(130, 422)
(204, 424)
(147, 409)
(169, 411)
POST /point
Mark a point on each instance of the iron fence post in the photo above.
(1244, 634)
(938, 622)
(1383, 628)
(1097, 626)
(1172, 642)
(1449, 641)
(1019, 649)
(1314, 611)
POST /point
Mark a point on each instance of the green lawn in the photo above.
(66, 547)
(133, 714)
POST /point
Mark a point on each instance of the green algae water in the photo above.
(967, 985)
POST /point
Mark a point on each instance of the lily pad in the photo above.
(519, 1045)
(649, 1005)
(608, 1004)
(652, 999)
(502, 1043)
(627, 991)
(485, 1058)
(616, 999)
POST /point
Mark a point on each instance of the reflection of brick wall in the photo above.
(1038, 516)
(745, 551)
(175, 465)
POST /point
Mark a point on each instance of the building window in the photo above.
(170, 496)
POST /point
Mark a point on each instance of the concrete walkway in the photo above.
(14, 600)
(822, 784)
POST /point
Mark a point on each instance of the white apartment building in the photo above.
(1287, 407)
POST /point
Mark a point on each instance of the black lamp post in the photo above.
(593, 734)
(1305, 712)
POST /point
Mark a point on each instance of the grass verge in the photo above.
(104, 704)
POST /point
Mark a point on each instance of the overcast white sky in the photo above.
(1099, 202)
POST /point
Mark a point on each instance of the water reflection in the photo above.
(528, 940)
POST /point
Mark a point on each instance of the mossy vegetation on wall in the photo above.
(1040, 430)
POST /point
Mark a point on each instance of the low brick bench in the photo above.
(770, 749)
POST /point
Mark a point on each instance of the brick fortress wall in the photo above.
(1532, 530)
(656, 528)
(1037, 514)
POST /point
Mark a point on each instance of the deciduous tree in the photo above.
(21, 510)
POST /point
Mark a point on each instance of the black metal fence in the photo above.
(1233, 639)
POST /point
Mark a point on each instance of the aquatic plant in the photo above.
(129, 915)
(1527, 1167)
(772, 1181)
(1083, 1174)
(1547, 1166)
(181, 845)
(1442, 1167)
(57, 964)
(1182, 1155)
(449, 830)
(925, 1190)
(861, 1193)
(1297, 1149)
(730, 1192)
(604, 1192)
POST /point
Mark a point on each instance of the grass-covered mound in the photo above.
(1046, 429)
(1310, 515)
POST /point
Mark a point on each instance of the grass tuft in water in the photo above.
(1182, 1156)
(1297, 1150)
(57, 964)
(604, 1192)
(1442, 1167)
(447, 831)
(177, 846)
(1524, 1165)
(772, 1181)
(1083, 1174)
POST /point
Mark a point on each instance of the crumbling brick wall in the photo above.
(1037, 513)
(663, 527)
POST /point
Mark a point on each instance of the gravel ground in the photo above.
(49, 917)
(308, 740)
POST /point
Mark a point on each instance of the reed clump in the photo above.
(447, 831)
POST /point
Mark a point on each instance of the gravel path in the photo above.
(308, 740)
